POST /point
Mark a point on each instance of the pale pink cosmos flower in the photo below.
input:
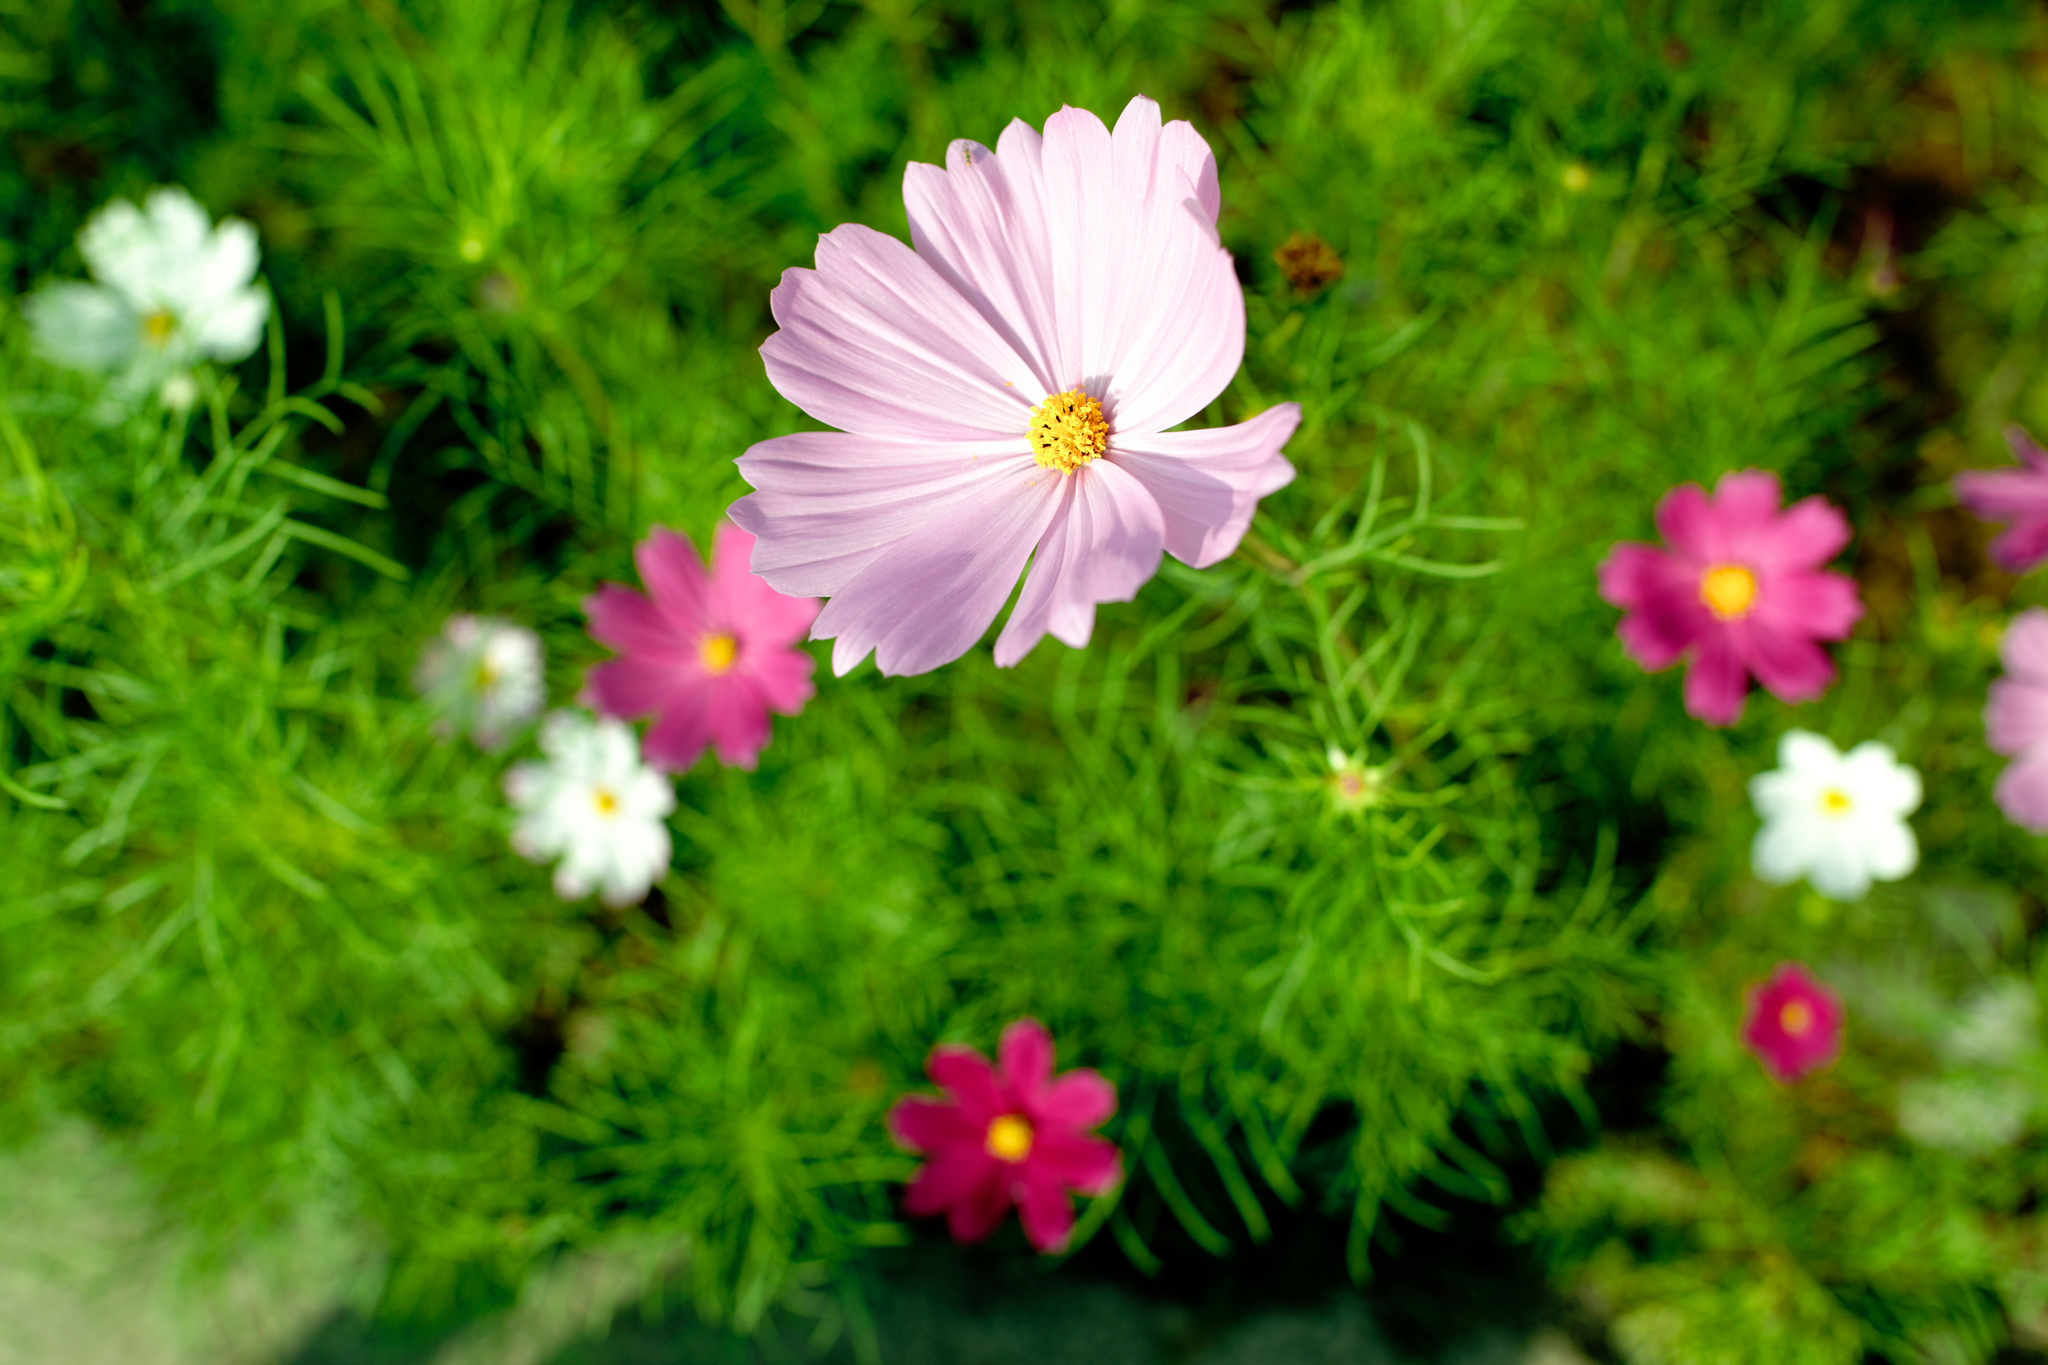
(1004, 389)
(2019, 496)
(2016, 721)
(1008, 1134)
(710, 655)
(1741, 590)
(1793, 1024)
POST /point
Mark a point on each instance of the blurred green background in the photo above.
(287, 1031)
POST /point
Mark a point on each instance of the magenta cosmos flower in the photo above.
(1012, 1133)
(1741, 590)
(1794, 1024)
(2016, 721)
(1003, 390)
(2019, 496)
(709, 654)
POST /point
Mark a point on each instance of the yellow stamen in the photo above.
(1067, 431)
(1796, 1018)
(486, 677)
(716, 652)
(1009, 1138)
(1729, 590)
(607, 804)
(157, 327)
(1834, 801)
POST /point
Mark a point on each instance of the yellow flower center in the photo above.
(486, 676)
(1834, 801)
(1796, 1018)
(1009, 1138)
(157, 327)
(606, 803)
(1729, 590)
(716, 652)
(1067, 431)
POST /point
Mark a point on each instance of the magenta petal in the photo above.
(738, 721)
(2015, 715)
(629, 622)
(1791, 667)
(2003, 494)
(828, 504)
(675, 578)
(2022, 791)
(2025, 646)
(965, 1183)
(1078, 1161)
(1102, 546)
(969, 1078)
(876, 342)
(1746, 514)
(1078, 1099)
(782, 679)
(1808, 534)
(2023, 546)
(756, 612)
(1208, 483)
(1716, 683)
(1689, 523)
(629, 688)
(928, 598)
(1025, 1055)
(1635, 576)
(924, 1124)
(1151, 316)
(1045, 1211)
(2025, 448)
(675, 742)
(1821, 605)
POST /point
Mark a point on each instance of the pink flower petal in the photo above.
(1807, 535)
(2025, 646)
(926, 599)
(628, 688)
(2003, 494)
(1208, 483)
(1077, 1099)
(927, 1125)
(1821, 605)
(1635, 576)
(1148, 298)
(1102, 546)
(683, 732)
(1079, 1161)
(737, 719)
(1691, 526)
(747, 605)
(1716, 683)
(2016, 715)
(782, 680)
(627, 621)
(2025, 448)
(1025, 1055)
(2022, 791)
(967, 1184)
(1746, 505)
(1046, 1212)
(1789, 1054)
(875, 342)
(2023, 546)
(969, 1078)
(675, 579)
(1792, 667)
(828, 504)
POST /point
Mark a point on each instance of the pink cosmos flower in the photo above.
(710, 654)
(1741, 590)
(1004, 389)
(1010, 1134)
(1794, 1023)
(2016, 721)
(2019, 496)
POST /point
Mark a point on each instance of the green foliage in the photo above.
(261, 924)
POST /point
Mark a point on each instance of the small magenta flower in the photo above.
(1005, 390)
(2016, 721)
(1009, 1134)
(1741, 590)
(1794, 1023)
(709, 654)
(2019, 496)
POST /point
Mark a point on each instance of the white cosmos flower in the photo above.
(484, 676)
(170, 290)
(1839, 820)
(594, 805)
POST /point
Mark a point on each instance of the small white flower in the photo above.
(594, 805)
(171, 290)
(1839, 820)
(484, 676)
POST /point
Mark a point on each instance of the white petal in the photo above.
(1841, 869)
(229, 329)
(1804, 752)
(83, 326)
(1783, 850)
(1888, 847)
(120, 250)
(1780, 793)
(1878, 781)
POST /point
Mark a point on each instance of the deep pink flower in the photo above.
(1005, 388)
(710, 654)
(1010, 1134)
(1794, 1023)
(2016, 721)
(1741, 590)
(2019, 496)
